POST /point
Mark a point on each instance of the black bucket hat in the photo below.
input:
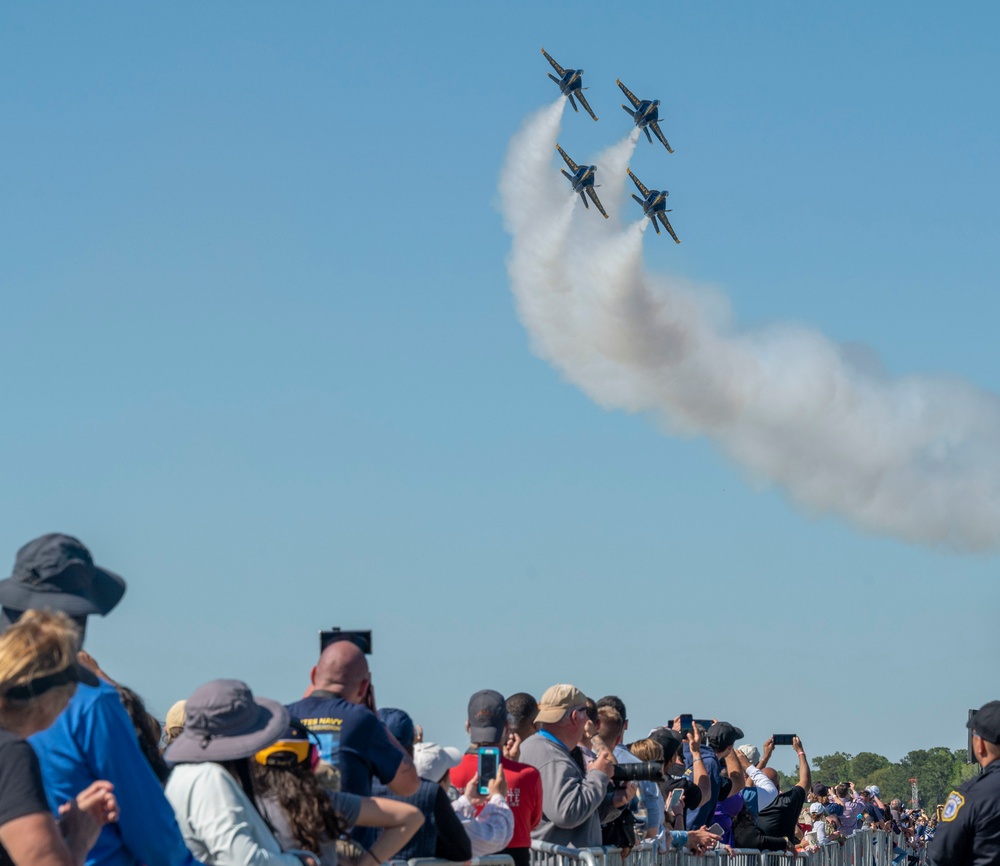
(223, 721)
(57, 572)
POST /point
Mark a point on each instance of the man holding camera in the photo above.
(574, 800)
(340, 709)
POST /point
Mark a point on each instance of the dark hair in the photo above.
(521, 708)
(312, 819)
(615, 703)
(591, 710)
(147, 731)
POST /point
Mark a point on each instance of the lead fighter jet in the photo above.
(646, 114)
(570, 82)
(582, 179)
(654, 205)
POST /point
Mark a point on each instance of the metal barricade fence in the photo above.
(863, 848)
(491, 860)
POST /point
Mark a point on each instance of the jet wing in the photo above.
(659, 134)
(597, 201)
(631, 96)
(573, 166)
(638, 183)
(555, 65)
(583, 101)
(668, 227)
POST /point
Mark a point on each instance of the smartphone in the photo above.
(687, 723)
(361, 639)
(676, 798)
(716, 829)
(783, 739)
(489, 760)
(704, 723)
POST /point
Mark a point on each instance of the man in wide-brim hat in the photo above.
(93, 738)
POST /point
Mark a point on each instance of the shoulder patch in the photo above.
(955, 802)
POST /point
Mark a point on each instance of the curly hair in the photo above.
(146, 731)
(311, 816)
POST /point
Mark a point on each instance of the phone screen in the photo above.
(783, 739)
(704, 723)
(686, 723)
(676, 798)
(489, 758)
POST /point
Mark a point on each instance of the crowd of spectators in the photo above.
(234, 779)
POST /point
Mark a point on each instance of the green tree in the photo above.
(831, 769)
(864, 764)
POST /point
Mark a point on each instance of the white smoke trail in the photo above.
(916, 457)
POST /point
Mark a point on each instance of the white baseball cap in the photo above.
(433, 761)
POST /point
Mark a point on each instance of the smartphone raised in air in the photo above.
(676, 798)
(783, 739)
(489, 761)
(686, 723)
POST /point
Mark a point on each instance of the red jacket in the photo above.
(524, 794)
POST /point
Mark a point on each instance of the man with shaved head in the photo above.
(779, 819)
(339, 707)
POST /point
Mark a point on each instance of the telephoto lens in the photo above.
(647, 771)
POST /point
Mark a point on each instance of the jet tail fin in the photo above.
(629, 110)
(566, 175)
(556, 80)
(587, 206)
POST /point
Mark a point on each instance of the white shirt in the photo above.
(489, 831)
(219, 824)
(767, 792)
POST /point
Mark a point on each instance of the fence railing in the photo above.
(863, 848)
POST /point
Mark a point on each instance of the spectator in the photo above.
(306, 816)
(93, 738)
(760, 792)
(648, 789)
(781, 817)
(696, 787)
(487, 726)
(488, 820)
(38, 675)
(521, 711)
(211, 788)
(573, 800)
(442, 834)
(847, 798)
(700, 816)
(339, 709)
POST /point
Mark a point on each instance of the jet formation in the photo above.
(646, 115)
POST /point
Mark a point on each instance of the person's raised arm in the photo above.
(400, 822)
(805, 777)
(735, 770)
(699, 774)
(766, 753)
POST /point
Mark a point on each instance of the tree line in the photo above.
(937, 771)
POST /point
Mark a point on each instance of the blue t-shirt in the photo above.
(93, 739)
(701, 816)
(352, 739)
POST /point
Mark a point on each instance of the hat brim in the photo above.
(191, 747)
(485, 734)
(106, 590)
(551, 714)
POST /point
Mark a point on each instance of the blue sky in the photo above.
(261, 351)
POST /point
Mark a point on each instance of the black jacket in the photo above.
(969, 831)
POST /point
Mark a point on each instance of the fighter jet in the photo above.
(570, 82)
(646, 114)
(582, 179)
(654, 205)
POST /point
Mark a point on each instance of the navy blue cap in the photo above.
(986, 722)
(400, 725)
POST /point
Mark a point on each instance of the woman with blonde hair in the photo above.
(38, 676)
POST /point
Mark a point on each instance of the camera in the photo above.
(361, 639)
(647, 771)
